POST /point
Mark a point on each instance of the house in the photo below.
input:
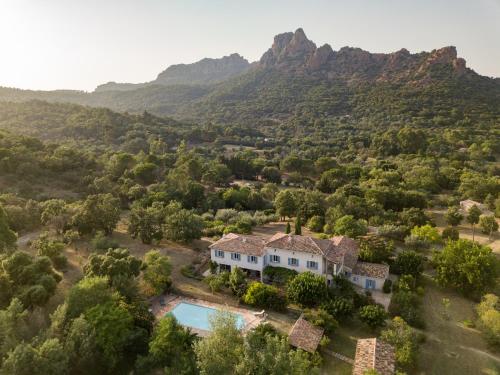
(305, 335)
(374, 354)
(327, 257)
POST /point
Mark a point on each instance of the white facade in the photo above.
(300, 261)
(361, 281)
(229, 260)
(302, 257)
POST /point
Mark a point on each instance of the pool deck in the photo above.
(165, 303)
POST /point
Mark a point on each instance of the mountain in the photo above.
(203, 72)
(296, 82)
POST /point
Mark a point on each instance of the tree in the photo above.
(298, 226)
(221, 351)
(465, 265)
(488, 225)
(157, 271)
(171, 347)
(408, 263)
(13, 323)
(263, 295)
(321, 318)
(237, 281)
(427, 233)
(373, 315)
(285, 204)
(453, 216)
(414, 217)
(348, 226)
(182, 225)
(87, 293)
(271, 174)
(98, 212)
(115, 263)
(7, 237)
(266, 352)
(375, 249)
(288, 228)
(316, 223)
(473, 216)
(307, 289)
(113, 327)
(404, 339)
(146, 223)
(56, 213)
(50, 248)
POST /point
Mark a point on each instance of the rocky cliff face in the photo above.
(294, 53)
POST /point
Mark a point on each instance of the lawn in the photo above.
(452, 348)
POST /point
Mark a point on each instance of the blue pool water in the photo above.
(197, 316)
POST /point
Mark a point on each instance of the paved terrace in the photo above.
(163, 304)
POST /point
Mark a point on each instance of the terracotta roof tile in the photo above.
(374, 354)
(294, 242)
(231, 242)
(345, 250)
(305, 335)
(380, 271)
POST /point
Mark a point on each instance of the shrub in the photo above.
(279, 275)
(321, 318)
(450, 233)
(316, 223)
(262, 295)
(406, 304)
(215, 282)
(238, 281)
(387, 286)
(373, 315)
(488, 312)
(339, 307)
(103, 242)
(307, 289)
(408, 263)
(397, 232)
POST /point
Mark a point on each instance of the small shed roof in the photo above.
(305, 335)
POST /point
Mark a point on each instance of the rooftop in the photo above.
(374, 354)
(231, 242)
(380, 271)
(305, 335)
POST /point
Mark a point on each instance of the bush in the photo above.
(321, 318)
(307, 289)
(279, 275)
(397, 232)
(339, 307)
(450, 233)
(102, 242)
(488, 312)
(238, 281)
(316, 223)
(373, 315)
(387, 286)
(266, 296)
(406, 304)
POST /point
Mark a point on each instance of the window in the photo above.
(252, 259)
(293, 262)
(312, 265)
(354, 278)
(274, 258)
(236, 256)
(219, 253)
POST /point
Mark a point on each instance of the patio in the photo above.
(163, 304)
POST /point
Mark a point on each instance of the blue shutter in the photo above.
(289, 261)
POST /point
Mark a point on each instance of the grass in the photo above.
(451, 347)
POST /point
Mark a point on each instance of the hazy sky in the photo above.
(78, 44)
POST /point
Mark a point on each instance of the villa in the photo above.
(327, 257)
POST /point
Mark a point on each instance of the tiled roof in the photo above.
(305, 335)
(380, 271)
(374, 354)
(294, 242)
(231, 242)
(345, 250)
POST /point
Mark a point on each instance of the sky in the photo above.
(79, 44)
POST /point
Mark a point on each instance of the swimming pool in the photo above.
(196, 316)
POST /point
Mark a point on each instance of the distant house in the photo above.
(305, 335)
(327, 257)
(374, 354)
(467, 204)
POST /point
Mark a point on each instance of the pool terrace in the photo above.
(185, 306)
